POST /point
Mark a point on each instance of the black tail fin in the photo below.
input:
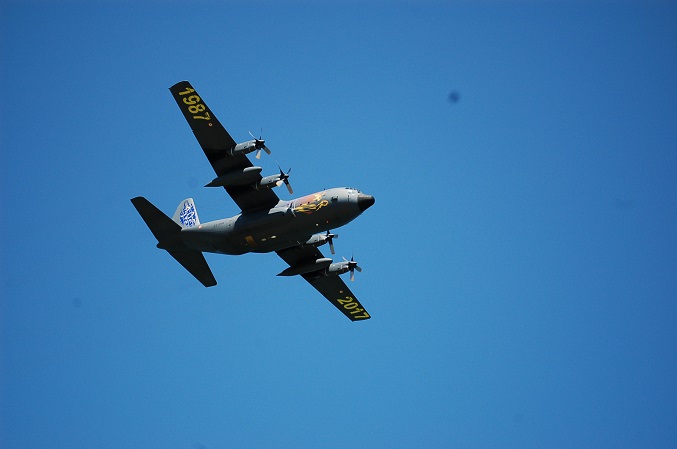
(168, 234)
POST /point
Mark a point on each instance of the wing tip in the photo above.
(180, 83)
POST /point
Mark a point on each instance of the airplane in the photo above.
(294, 229)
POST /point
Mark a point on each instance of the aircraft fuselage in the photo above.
(289, 223)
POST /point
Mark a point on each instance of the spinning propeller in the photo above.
(329, 237)
(260, 145)
(284, 177)
(352, 266)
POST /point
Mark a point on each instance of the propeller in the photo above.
(352, 266)
(260, 144)
(284, 177)
(329, 237)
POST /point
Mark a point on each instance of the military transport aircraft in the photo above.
(293, 229)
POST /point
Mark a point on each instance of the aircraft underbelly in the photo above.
(262, 233)
(294, 231)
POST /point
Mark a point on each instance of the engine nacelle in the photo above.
(316, 240)
(274, 181)
(243, 148)
(338, 268)
(342, 267)
(321, 239)
(268, 182)
(248, 147)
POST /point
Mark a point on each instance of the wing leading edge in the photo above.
(216, 143)
(331, 287)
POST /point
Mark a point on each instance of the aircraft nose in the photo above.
(364, 202)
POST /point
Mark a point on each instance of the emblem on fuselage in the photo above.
(311, 203)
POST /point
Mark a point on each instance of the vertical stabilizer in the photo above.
(186, 214)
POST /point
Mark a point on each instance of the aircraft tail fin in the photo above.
(186, 214)
(168, 234)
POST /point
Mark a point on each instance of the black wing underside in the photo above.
(331, 287)
(215, 142)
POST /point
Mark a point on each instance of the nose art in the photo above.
(365, 201)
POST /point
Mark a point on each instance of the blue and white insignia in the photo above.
(188, 216)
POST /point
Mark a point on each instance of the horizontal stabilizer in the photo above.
(194, 261)
(162, 227)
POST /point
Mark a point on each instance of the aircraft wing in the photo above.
(215, 142)
(332, 287)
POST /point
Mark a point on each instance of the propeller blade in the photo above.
(260, 144)
(329, 237)
(284, 177)
(352, 266)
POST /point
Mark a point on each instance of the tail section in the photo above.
(168, 234)
(186, 214)
(166, 231)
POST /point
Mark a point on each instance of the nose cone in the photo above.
(364, 202)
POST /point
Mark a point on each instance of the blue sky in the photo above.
(519, 262)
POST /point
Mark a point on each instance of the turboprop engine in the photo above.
(321, 239)
(275, 181)
(249, 146)
(342, 267)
